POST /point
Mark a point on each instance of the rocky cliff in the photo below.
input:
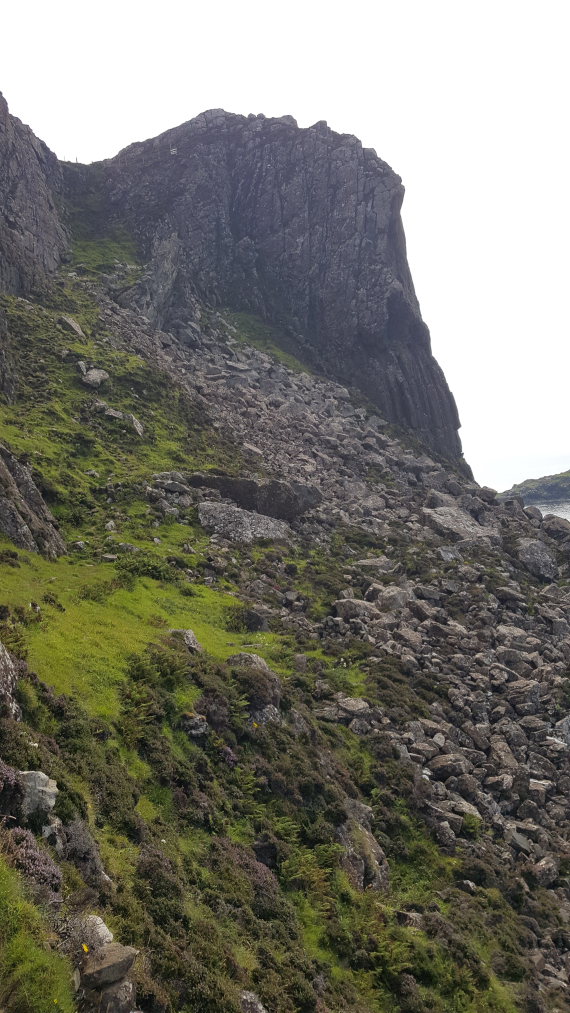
(302, 228)
(32, 236)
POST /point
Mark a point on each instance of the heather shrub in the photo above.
(36, 864)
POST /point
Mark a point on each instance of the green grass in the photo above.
(83, 650)
(33, 978)
(266, 337)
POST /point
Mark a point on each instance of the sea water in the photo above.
(559, 507)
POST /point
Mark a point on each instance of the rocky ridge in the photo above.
(33, 239)
(302, 228)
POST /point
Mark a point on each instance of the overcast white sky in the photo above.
(468, 101)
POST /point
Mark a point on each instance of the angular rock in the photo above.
(108, 964)
(283, 500)
(239, 525)
(452, 522)
(8, 683)
(117, 998)
(40, 793)
(24, 517)
(251, 1003)
(449, 765)
(189, 639)
(355, 608)
(95, 377)
(537, 558)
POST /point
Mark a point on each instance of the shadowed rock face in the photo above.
(300, 226)
(24, 517)
(32, 237)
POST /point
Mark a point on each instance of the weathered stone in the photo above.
(24, 517)
(40, 793)
(556, 527)
(90, 931)
(108, 964)
(452, 522)
(546, 871)
(117, 998)
(189, 640)
(251, 1003)
(239, 525)
(355, 608)
(69, 324)
(449, 765)
(283, 500)
(8, 682)
(95, 377)
(363, 860)
(537, 558)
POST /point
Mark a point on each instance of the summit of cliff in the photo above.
(300, 227)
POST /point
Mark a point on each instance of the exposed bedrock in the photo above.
(299, 226)
(33, 239)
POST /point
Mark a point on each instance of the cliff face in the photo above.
(300, 226)
(32, 236)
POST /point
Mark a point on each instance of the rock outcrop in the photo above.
(24, 516)
(33, 239)
(299, 226)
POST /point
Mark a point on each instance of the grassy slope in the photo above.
(32, 976)
(541, 490)
(158, 801)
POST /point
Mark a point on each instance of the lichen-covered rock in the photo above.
(251, 1003)
(239, 525)
(94, 378)
(537, 558)
(453, 522)
(189, 639)
(107, 964)
(40, 793)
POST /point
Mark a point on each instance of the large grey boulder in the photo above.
(40, 793)
(284, 500)
(120, 997)
(189, 639)
(355, 608)
(537, 558)
(239, 525)
(556, 527)
(453, 522)
(95, 377)
(107, 964)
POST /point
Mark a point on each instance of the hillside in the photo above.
(548, 489)
(284, 694)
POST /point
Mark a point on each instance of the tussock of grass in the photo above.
(33, 978)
